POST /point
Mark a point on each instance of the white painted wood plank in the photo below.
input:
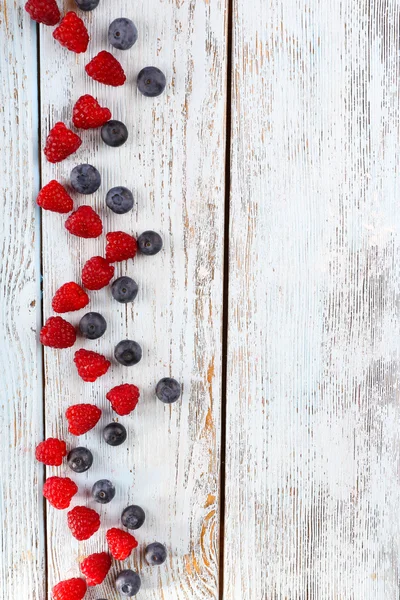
(313, 439)
(174, 163)
(21, 418)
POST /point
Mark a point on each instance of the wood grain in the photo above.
(174, 163)
(312, 453)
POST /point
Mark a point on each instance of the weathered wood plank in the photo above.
(312, 426)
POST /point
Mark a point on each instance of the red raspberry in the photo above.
(60, 143)
(54, 197)
(84, 222)
(69, 297)
(57, 333)
(90, 365)
(120, 246)
(59, 491)
(51, 452)
(43, 11)
(106, 69)
(82, 418)
(120, 543)
(97, 273)
(70, 589)
(124, 398)
(83, 522)
(95, 567)
(88, 114)
(72, 33)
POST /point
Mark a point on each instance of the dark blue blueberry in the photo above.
(133, 517)
(114, 434)
(155, 554)
(150, 243)
(85, 179)
(87, 4)
(168, 390)
(92, 325)
(120, 200)
(128, 353)
(128, 583)
(122, 34)
(80, 459)
(103, 491)
(114, 133)
(151, 81)
(124, 289)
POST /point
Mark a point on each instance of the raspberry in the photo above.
(95, 567)
(72, 33)
(59, 491)
(124, 398)
(69, 297)
(97, 273)
(60, 143)
(84, 222)
(57, 333)
(120, 246)
(82, 418)
(83, 522)
(90, 365)
(54, 197)
(43, 11)
(106, 69)
(120, 543)
(51, 452)
(88, 114)
(70, 589)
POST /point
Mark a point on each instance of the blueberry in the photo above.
(151, 81)
(114, 133)
(128, 583)
(103, 491)
(155, 554)
(80, 459)
(168, 390)
(128, 353)
(122, 34)
(114, 434)
(85, 179)
(87, 4)
(133, 517)
(120, 200)
(124, 289)
(92, 325)
(150, 243)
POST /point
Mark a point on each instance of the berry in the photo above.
(87, 4)
(51, 452)
(71, 589)
(114, 434)
(69, 297)
(120, 246)
(121, 543)
(106, 69)
(124, 398)
(128, 353)
(57, 333)
(85, 179)
(122, 34)
(92, 325)
(124, 289)
(168, 390)
(103, 491)
(43, 11)
(151, 81)
(84, 222)
(83, 522)
(114, 133)
(72, 33)
(79, 459)
(97, 273)
(54, 197)
(82, 418)
(60, 143)
(88, 114)
(150, 243)
(90, 365)
(59, 491)
(120, 200)
(155, 554)
(133, 517)
(95, 567)
(128, 583)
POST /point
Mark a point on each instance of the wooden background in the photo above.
(271, 168)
